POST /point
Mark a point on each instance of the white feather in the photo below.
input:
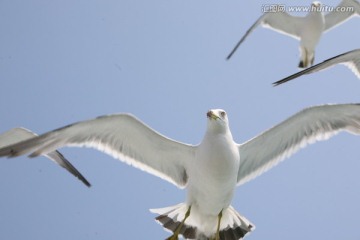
(308, 126)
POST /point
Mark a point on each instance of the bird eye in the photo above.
(223, 114)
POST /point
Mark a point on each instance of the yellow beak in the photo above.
(212, 115)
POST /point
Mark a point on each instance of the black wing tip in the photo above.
(234, 50)
(11, 152)
(277, 83)
(85, 181)
(70, 168)
(82, 178)
(292, 77)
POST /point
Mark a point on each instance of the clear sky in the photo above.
(164, 61)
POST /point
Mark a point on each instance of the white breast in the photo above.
(313, 28)
(213, 175)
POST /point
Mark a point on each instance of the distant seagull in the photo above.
(350, 59)
(17, 135)
(308, 29)
(209, 171)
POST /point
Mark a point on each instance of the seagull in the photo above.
(210, 171)
(17, 135)
(350, 59)
(308, 29)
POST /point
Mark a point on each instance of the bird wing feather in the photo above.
(350, 59)
(17, 135)
(121, 136)
(279, 21)
(343, 12)
(308, 126)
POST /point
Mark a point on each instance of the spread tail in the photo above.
(233, 225)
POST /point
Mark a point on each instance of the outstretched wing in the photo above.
(350, 59)
(279, 21)
(17, 135)
(308, 126)
(343, 12)
(121, 136)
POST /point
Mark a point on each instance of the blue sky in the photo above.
(164, 61)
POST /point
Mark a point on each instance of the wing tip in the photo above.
(68, 166)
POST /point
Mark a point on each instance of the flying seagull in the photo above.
(209, 171)
(308, 29)
(17, 135)
(350, 59)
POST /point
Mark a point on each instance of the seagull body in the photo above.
(216, 178)
(309, 36)
(17, 135)
(209, 171)
(308, 30)
(350, 59)
(211, 177)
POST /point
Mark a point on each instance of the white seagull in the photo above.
(209, 171)
(17, 135)
(350, 59)
(308, 29)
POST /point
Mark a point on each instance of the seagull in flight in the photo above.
(350, 59)
(17, 135)
(210, 171)
(308, 29)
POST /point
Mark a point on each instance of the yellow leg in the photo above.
(217, 235)
(178, 229)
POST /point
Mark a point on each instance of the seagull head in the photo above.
(316, 4)
(217, 120)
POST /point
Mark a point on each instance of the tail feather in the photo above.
(307, 58)
(233, 225)
(233, 233)
(301, 64)
(171, 217)
(168, 223)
